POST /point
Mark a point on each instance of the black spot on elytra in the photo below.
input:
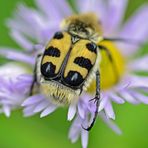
(52, 51)
(48, 69)
(58, 35)
(83, 62)
(92, 47)
(74, 79)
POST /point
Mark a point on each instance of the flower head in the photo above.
(13, 91)
(43, 24)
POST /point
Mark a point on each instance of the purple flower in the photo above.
(12, 90)
(43, 24)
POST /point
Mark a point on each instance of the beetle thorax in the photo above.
(84, 26)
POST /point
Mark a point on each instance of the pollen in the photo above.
(110, 71)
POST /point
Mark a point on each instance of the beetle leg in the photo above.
(34, 76)
(96, 101)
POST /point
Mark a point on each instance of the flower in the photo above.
(43, 24)
(12, 91)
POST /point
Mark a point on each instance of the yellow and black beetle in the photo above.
(71, 61)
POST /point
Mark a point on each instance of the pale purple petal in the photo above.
(103, 102)
(14, 25)
(142, 88)
(41, 106)
(11, 70)
(123, 84)
(48, 32)
(28, 111)
(116, 98)
(84, 138)
(48, 6)
(6, 101)
(63, 7)
(13, 54)
(51, 108)
(22, 26)
(24, 82)
(84, 5)
(27, 78)
(26, 17)
(138, 81)
(110, 123)
(6, 95)
(40, 28)
(71, 112)
(137, 28)
(139, 96)
(128, 97)
(6, 110)
(74, 134)
(115, 11)
(99, 7)
(21, 40)
(109, 110)
(11, 96)
(32, 100)
(75, 130)
(81, 110)
(140, 64)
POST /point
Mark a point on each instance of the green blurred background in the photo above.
(51, 131)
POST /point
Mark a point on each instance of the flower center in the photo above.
(110, 71)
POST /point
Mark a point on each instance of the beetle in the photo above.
(71, 61)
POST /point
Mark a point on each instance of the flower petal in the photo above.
(110, 123)
(28, 111)
(48, 110)
(139, 96)
(85, 5)
(109, 110)
(115, 11)
(11, 70)
(28, 78)
(137, 28)
(71, 112)
(84, 138)
(33, 100)
(41, 106)
(25, 17)
(40, 28)
(75, 130)
(59, 10)
(13, 54)
(128, 97)
(6, 110)
(114, 97)
(21, 40)
(103, 103)
(138, 81)
(81, 110)
(139, 64)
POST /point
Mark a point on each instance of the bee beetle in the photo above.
(71, 61)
